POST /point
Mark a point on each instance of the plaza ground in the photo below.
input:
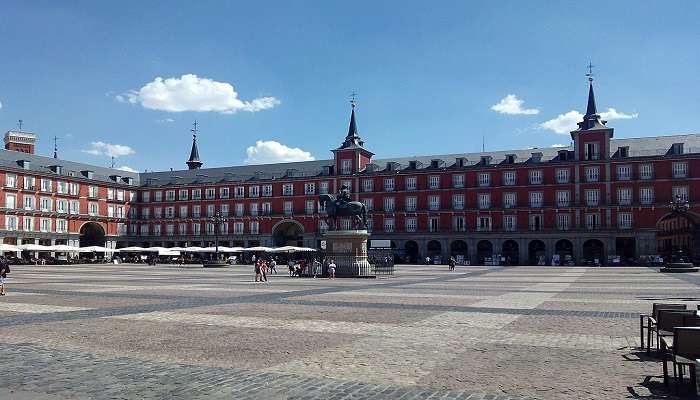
(138, 332)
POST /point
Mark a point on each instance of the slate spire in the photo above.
(352, 140)
(592, 119)
(193, 162)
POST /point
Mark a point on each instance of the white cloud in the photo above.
(127, 168)
(0, 104)
(512, 105)
(612, 114)
(109, 149)
(192, 93)
(559, 145)
(165, 120)
(269, 151)
(563, 123)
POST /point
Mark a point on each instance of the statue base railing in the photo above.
(348, 250)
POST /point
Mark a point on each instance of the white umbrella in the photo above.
(193, 249)
(34, 247)
(97, 249)
(258, 248)
(132, 248)
(9, 247)
(64, 248)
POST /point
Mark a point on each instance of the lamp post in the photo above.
(679, 205)
(217, 219)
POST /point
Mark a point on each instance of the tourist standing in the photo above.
(317, 267)
(452, 263)
(331, 270)
(4, 270)
(427, 260)
(257, 272)
(273, 266)
(263, 270)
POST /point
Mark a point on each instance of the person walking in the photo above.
(331, 270)
(316, 267)
(263, 270)
(257, 272)
(273, 266)
(4, 270)
(452, 263)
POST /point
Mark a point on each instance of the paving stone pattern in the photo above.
(137, 332)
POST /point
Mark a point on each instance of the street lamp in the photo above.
(679, 205)
(217, 219)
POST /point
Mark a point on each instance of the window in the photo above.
(509, 178)
(509, 200)
(239, 191)
(484, 200)
(411, 203)
(145, 196)
(28, 223)
(592, 174)
(323, 187)
(434, 224)
(411, 224)
(224, 210)
(347, 184)
(144, 230)
(211, 210)
(254, 227)
(92, 192)
(266, 208)
(624, 173)
(309, 188)
(510, 223)
(646, 171)
(536, 223)
(45, 225)
(563, 222)
(388, 225)
(624, 196)
(169, 195)
(563, 198)
(28, 202)
(536, 199)
(267, 190)
(389, 184)
(646, 195)
(196, 194)
(458, 201)
(110, 194)
(169, 212)
(287, 189)
(680, 191)
(11, 182)
(484, 179)
(170, 229)
(592, 197)
(93, 209)
(459, 224)
(562, 175)
(483, 224)
(434, 182)
(624, 220)
(209, 193)
(61, 187)
(181, 228)
(369, 203)
(158, 196)
(680, 169)
(210, 228)
(591, 151)
(322, 226)
(157, 212)
(183, 194)
(434, 202)
(120, 195)
(29, 183)
(121, 228)
(389, 204)
(240, 209)
(10, 201)
(62, 206)
(367, 185)
(119, 212)
(45, 204)
(253, 191)
(10, 222)
(458, 181)
(310, 206)
(288, 207)
(346, 167)
(592, 221)
(224, 192)
(411, 183)
(536, 177)
(74, 189)
(110, 211)
(196, 229)
(238, 228)
(62, 226)
(183, 211)
(46, 185)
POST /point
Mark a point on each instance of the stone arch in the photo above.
(484, 250)
(678, 232)
(593, 249)
(510, 250)
(459, 247)
(536, 252)
(92, 234)
(288, 232)
(565, 249)
(434, 248)
(412, 251)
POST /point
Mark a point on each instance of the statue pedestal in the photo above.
(348, 249)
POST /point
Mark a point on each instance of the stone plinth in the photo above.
(348, 249)
(679, 267)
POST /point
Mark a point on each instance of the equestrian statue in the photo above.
(343, 206)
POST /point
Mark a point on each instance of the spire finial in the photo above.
(352, 99)
(590, 72)
(194, 130)
(20, 125)
(55, 147)
(194, 162)
(112, 162)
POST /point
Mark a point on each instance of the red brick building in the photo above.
(598, 198)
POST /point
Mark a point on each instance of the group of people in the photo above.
(297, 268)
(4, 270)
(262, 267)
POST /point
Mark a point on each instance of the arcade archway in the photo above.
(288, 233)
(484, 250)
(411, 251)
(593, 249)
(511, 252)
(679, 232)
(92, 234)
(434, 248)
(536, 252)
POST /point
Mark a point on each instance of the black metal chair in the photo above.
(651, 320)
(686, 349)
(668, 321)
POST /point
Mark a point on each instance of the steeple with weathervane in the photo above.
(352, 157)
(193, 162)
(592, 138)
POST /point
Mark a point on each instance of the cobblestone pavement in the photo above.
(137, 332)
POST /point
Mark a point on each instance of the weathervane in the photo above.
(55, 147)
(590, 72)
(194, 130)
(20, 125)
(352, 98)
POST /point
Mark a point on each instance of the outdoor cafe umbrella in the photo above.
(97, 249)
(64, 248)
(9, 247)
(34, 247)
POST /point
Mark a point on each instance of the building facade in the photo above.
(599, 197)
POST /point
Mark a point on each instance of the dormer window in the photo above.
(25, 164)
(677, 148)
(486, 160)
(623, 151)
(536, 157)
(128, 180)
(510, 158)
(56, 169)
(291, 172)
(435, 163)
(115, 178)
(88, 174)
(412, 164)
(562, 155)
(591, 151)
(461, 162)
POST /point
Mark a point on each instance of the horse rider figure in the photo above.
(343, 197)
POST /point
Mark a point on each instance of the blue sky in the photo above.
(427, 74)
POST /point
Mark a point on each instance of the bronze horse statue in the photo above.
(342, 208)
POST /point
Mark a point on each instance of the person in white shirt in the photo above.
(331, 270)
